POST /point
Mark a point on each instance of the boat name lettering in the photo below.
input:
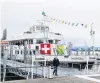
(39, 59)
(77, 58)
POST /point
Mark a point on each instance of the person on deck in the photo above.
(55, 64)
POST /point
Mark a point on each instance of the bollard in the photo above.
(50, 72)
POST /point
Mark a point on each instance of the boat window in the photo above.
(16, 52)
(39, 41)
(56, 41)
(37, 47)
(34, 52)
(42, 29)
(26, 41)
(32, 28)
(50, 41)
(22, 42)
(21, 52)
(30, 52)
(47, 29)
(37, 28)
(30, 41)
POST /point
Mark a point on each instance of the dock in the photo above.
(64, 79)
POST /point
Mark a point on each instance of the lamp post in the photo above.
(92, 32)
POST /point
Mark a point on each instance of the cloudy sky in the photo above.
(19, 15)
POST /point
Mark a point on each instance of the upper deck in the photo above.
(38, 32)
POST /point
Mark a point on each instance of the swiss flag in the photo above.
(45, 48)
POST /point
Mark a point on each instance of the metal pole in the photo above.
(25, 52)
(87, 64)
(4, 67)
(92, 34)
(32, 68)
(44, 70)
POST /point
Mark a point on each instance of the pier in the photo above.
(34, 72)
(68, 79)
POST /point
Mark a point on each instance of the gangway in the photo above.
(26, 70)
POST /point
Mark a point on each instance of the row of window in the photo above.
(27, 52)
(31, 42)
(39, 28)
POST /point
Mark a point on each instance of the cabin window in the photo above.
(22, 42)
(34, 52)
(30, 41)
(42, 29)
(39, 41)
(37, 28)
(56, 41)
(16, 52)
(47, 29)
(30, 53)
(50, 41)
(33, 29)
(21, 52)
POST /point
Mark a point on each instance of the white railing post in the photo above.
(87, 63)
(4, 64)
(32, 69)
(44, 70)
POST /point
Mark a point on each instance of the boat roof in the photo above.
(37, 35)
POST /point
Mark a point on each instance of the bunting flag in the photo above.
(82, 24)
(77, 24)
(86, 26)
(72, 24)
(43, 13)
(69, 23)
(64, 22)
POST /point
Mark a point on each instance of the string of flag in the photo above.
(65, 22)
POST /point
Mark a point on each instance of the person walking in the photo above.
(55, 65)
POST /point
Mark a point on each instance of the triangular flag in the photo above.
(69, 23)
(43, 13)
(77, 24)
(65, 22)
(82, 24)
(86, 26)
(72, 24)
(62, 21)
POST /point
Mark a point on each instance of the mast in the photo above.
(44, 24)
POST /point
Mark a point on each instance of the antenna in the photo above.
(43, 22)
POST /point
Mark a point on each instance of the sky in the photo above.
(19, 15)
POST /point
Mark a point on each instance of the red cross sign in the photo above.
(45, 48)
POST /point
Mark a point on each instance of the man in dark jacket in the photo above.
(55, 64)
